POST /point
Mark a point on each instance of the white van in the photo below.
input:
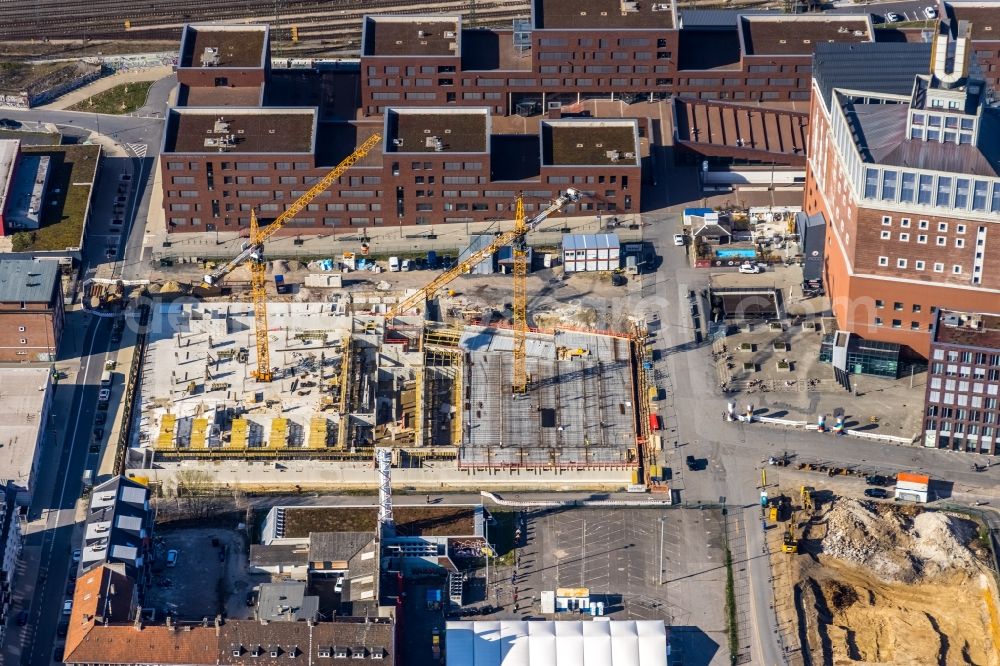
(106, 379)
(393, 264)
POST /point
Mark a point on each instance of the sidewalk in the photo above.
(381, 240)
(106, 83)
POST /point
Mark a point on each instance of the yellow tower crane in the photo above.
(519, 383)
(516, 238)
(253, 251)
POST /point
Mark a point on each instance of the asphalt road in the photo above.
(86, 340)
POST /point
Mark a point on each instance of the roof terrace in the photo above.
(798, 35)
(435, 130)
(231, 130)
(224, 46)
(602, 15)
(590, 142)
(411, 36)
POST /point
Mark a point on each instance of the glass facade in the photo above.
(865, 357)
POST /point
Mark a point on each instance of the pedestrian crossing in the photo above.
(138, 149)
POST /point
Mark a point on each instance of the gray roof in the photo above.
(336, 546)
(880, 134)
(286, 602)
(278, 554)
(876, 67)
(719, 18)
(815, 220)
(28, 280)
(118, 524)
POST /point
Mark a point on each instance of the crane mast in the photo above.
(502, 240)
(253, 251)
(519, 383)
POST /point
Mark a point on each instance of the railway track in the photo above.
(323, 26)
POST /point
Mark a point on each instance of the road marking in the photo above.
(138, 148)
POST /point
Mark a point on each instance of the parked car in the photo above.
(172, 557)
(62, 629)
(878, 493)
(101, 418)
(251, 598)
(77, 554)
(67, 607)
(750, 268)
(930, 13)
(70, 587)
(22, 618)
(98, 433)
(691, 462)
(876, 480)
(893, 17)
(57, 654)
(679, 239)
(104, 395)
(9, 123)
(339, 585)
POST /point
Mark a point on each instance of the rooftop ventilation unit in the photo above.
(661, 7)
(397, 142)
(449, 34)
(210, 57)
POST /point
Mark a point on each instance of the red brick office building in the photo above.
(903, 164)
(31, 310)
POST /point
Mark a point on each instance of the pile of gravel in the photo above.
(894, 545)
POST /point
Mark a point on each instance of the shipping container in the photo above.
(654, 393)
(654, 422)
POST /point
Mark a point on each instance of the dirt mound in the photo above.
(895, 545)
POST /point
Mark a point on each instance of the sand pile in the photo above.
(896, 546)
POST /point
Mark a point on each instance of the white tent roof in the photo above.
(554, 643)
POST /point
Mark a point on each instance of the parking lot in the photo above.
(201, 583)
(644, 564)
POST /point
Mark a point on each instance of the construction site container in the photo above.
(654, 422)
(591, 252)
(654, 393)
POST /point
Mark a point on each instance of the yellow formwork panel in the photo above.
(166, 438)
(279, 433)
(198, 429)
(318, 429)
(238, 439)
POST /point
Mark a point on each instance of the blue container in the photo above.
(432, 259)
(736, 253)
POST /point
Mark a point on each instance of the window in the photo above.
(901, 263)
(943, 227)
(922, 238)
(883, 261)
(956, 269)
(888, 184)
(906, 191)
(923, 224)
(959, 243)
(914, 325)
(878, 321)
(943, 197)
(905, 238)
(941, 241)
(20, 329)
(959, 228)
(886, 235)
(886, 221)
(961, 192)
(879, 303)
(919, 265)
(938, 267)
(979, 190)
(916, 308)
(924, 191)
(871, 185)
(904, 222)
(897, 323)
(897, 306)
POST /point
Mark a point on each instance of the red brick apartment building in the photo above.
(31, 310)
(593, 49)
(223, 64)
(962, 405)
(434, 165)
(905, 167)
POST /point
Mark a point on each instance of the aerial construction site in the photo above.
(228, 384)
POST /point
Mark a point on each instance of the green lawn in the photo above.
(124, 98)
(71, 172)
